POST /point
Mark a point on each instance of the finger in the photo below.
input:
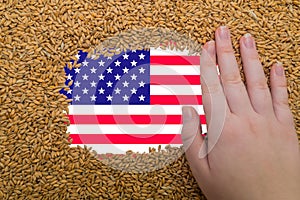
(193, 140)
(234, 88)
(280, 95)
(210, 84)
(257, 86)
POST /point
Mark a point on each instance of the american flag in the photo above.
(132, 100)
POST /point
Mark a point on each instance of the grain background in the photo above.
(37, 38)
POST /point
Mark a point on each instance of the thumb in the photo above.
(191, 129)
(193, 141)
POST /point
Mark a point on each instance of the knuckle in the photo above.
(290, 118)
(260, 84)
(253, 56)
(212, 88)
(282, 85)
(230, 126)
(282, 103)
(291, 138)
(255, 122)
(232, 79)
(226, 49)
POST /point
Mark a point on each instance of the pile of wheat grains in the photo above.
(37, 38)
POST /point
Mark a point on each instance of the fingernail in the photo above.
(224, 33)
(279, 69)
(187, 114)
(248, 41)
(211, 48)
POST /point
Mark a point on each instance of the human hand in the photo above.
(256, 154)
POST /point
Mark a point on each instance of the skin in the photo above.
(257, 154)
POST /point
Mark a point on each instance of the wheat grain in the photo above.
(37, 38)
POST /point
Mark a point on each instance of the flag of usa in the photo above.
(132, 100)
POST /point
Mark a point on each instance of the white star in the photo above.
(142, 56)
(109, 58)
(69, 77)
(77, 84)
(109, 98)
(133, 63)
(85, 91)
(117, 91)
(117, 77)
(93, 98)
(77, 98)
(109, 70)
(142, 98)
(133, 77)
(109, 84)
(125, 70)
(69, 91)
(85, 63)
(85, 77)
(142, 70)
(77, 70)
(125, 84)
(142, 84)
(133, 51)
(93, 70)
(133, 91)
(93, 84)
(125, 56)
(101, 63)
(93, 56)
(101, 91)
(77, 56)
(101, 77)
(117, 63)
(125, 98)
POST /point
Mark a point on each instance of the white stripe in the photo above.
(175, 90)
(130, 109)
(128, 129)
(122, 148)
(175, 70)
(168, 52)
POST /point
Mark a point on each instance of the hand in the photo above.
(256, 154)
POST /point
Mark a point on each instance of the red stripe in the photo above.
(126, 139)
(129, 119)
(176, 99)
(175, 80)
(174, 60)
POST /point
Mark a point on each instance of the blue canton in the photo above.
(118, 80)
